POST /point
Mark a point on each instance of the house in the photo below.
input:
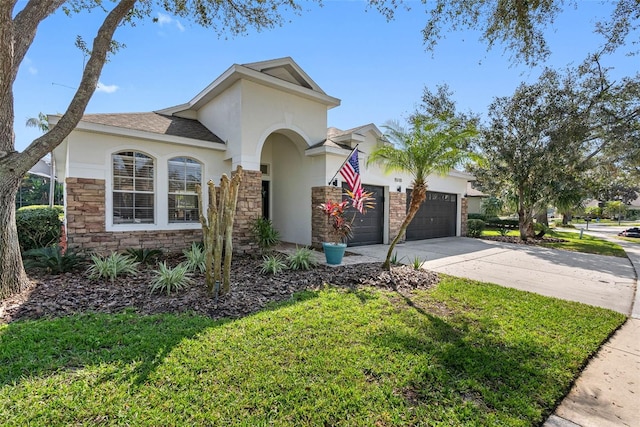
(474, 199)
(130, 178)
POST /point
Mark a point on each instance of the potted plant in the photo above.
(340, 226)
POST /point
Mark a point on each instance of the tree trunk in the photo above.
(229, 218)
(525, 217)
(525, 224)
(13, 279)
(566, 218)
(541, 218)
(418, 196)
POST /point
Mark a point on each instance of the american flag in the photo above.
(351, 173)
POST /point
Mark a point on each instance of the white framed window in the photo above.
(184, 175)
(133, 188)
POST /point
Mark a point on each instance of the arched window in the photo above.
(133, 188)
(184, 175)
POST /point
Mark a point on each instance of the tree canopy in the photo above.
(544, 141)
(519, 25)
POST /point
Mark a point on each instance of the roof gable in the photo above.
(282, 74)
(285, 69)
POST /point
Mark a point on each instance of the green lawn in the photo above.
(461, 354)
(588, 244)
(608, 222)
(630, 239)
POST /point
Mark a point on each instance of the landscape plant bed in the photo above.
(54, 296)
(566, 240)
(459, 353)
(517, 240)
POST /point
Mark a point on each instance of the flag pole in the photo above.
(343, 163)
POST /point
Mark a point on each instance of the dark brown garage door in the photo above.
(368, 228)
(436, 217)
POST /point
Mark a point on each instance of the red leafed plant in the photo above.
(341, 227)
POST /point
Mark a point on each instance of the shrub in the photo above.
(143, 255)
(476, 216)
(264, 234)
(52, 259)
(475, 227)
(272, 264)
(503, 231)
(496, 222)
(417, 263)
(171, 279)
(301, 259)
(112, 266)
(58, 208)
(38, 227)
(196, 258)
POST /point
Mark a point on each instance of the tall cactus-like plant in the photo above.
(217, 229)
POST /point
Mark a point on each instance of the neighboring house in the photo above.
(130, 178)
(474, 199)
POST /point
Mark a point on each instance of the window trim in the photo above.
(161, 189)
(110, 190)
(169, 192)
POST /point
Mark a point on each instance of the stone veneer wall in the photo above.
(464, 209)
(319, 226)
(397, 214)
(85, 199)
(249, 209)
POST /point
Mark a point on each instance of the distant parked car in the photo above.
(630, 232)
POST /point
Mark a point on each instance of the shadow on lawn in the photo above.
(41, 347)
(471, 364)
(34, 348)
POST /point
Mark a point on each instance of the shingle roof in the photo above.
(329, 143)
(155, 123)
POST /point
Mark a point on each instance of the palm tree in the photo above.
(428, 146)
(42, 122)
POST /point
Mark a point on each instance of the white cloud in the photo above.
(30, 67)
(166, 19)
(106, 88)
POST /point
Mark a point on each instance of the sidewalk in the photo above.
(607, 393)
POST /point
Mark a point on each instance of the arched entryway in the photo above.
(286, 186)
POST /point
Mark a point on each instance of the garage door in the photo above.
(436, 217)
(368, 228)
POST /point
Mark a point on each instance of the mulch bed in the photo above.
(517, 240)
(251, 290)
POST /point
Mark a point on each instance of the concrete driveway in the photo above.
(597, 280)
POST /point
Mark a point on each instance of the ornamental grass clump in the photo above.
(171, 279)
(301, 259)
(112, 266)
(196, 258)
(272, 264)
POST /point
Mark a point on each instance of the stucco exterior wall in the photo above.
(223, 115)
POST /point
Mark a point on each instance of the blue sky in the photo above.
(377, 68)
